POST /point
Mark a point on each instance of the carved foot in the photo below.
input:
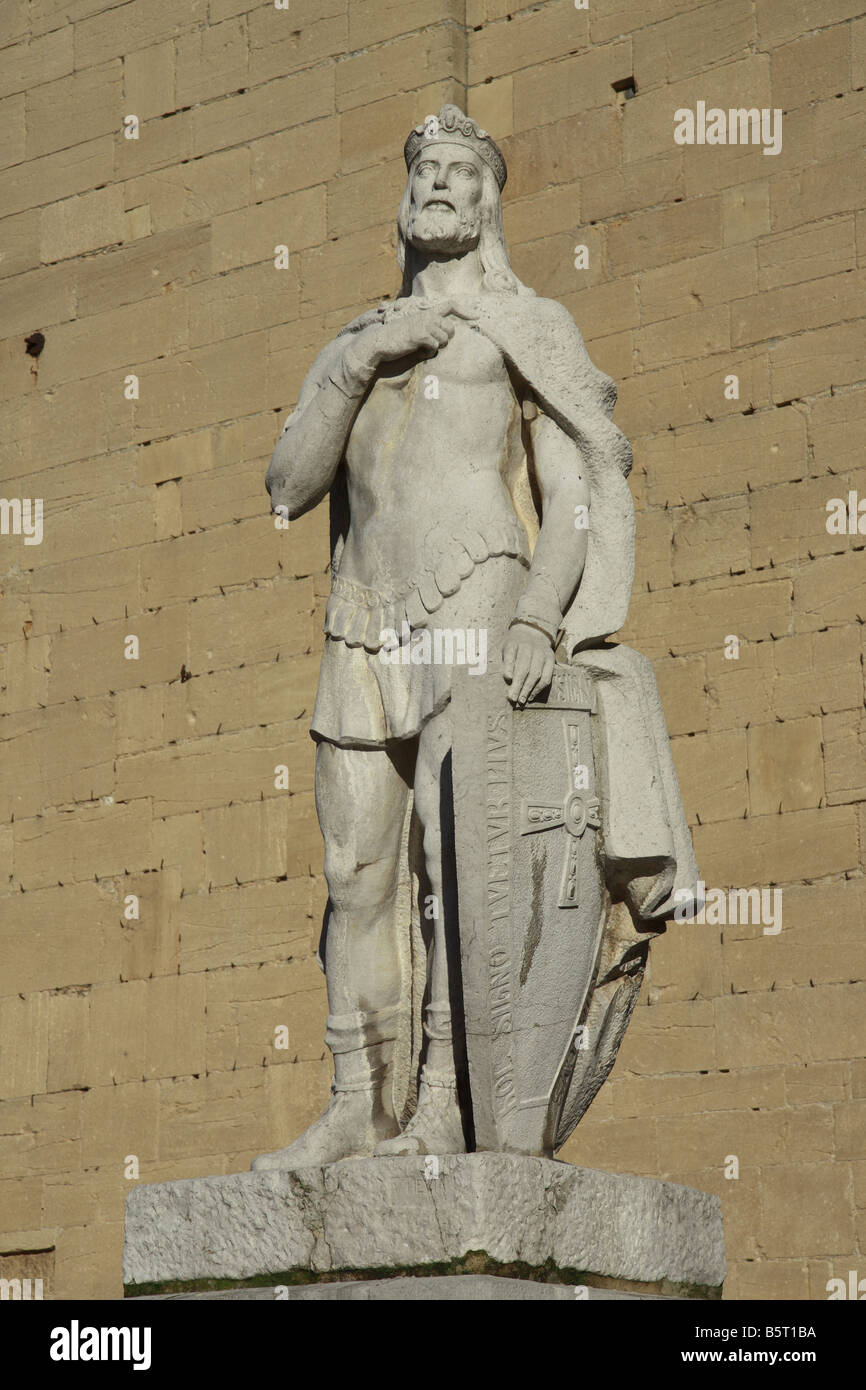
(435, 1128)
(350, 1128)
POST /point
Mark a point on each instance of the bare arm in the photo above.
(557, 562)
(560, 551)
(308, 452)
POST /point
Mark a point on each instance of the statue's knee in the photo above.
(357, 885)
(432, 849)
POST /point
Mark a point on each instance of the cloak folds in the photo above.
(646, 848)
(645, 844)
(540, 340)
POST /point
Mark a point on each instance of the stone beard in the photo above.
(456, 512)
(439, 227)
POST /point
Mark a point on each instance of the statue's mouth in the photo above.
(439, 203)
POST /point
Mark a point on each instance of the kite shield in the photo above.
(531, 898)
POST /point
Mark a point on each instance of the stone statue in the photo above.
(502, 823)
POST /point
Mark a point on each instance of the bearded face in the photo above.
(445, 192)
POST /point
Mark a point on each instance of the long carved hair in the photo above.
(492, 251)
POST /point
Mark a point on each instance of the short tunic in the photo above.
(366, 701)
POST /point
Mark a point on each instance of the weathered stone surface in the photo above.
(369, 1214)
(437, 565)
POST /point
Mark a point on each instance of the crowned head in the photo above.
(452, 201)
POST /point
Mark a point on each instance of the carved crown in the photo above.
(453, 125)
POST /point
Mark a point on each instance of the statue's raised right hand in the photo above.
(424, 329)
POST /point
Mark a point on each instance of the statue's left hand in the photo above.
(527, 663)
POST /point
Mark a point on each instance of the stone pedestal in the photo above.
(470, 1214)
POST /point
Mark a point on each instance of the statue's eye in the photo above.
(424, 168)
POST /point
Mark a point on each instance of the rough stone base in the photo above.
(545, 1220)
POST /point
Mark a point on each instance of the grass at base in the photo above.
(473, 1262)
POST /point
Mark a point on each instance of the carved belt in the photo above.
(359, 616)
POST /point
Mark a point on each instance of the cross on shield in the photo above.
(575, 812)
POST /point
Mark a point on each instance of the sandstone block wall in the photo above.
(146, 1044)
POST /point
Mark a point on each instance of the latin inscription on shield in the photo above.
(526, 816)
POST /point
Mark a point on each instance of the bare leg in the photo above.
(437, 1125)
(361, 799)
